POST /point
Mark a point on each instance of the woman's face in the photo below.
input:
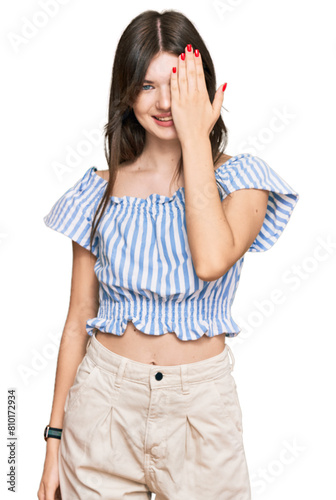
(154, 98)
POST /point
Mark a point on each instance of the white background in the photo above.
(278, 59)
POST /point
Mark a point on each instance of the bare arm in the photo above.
(84, 304)
(219, 233)
(244, 212)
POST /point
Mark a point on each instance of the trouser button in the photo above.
(158, 376)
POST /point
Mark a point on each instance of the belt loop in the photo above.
(231, 356)
(120, 373)
(184, 379)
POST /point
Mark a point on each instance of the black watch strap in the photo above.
(53, 432)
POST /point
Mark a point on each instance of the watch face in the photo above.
(46, 432)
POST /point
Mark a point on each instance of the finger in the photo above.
(200, 77)
(182, 74)
(174, 89)
(41, 493)
(218, 101)
(191, 68)
(50, 494)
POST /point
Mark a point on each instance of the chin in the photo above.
(166, 136)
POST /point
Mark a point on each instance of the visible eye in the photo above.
(143, 87)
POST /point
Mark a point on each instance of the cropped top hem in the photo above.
(144, 265)
(189, 319)
(192, 335)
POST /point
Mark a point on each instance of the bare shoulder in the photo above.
(104, 174)
(222, 159)
(122, 167)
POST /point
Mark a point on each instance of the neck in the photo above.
(161, 156)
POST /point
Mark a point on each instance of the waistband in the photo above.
(159, 375)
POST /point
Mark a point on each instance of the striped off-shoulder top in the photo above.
(144, 265)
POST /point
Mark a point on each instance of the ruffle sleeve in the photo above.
(72, 214)
(246, 171)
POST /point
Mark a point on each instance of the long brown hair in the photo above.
(148, 34)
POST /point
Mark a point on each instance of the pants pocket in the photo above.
(84, 374)
(226, 391)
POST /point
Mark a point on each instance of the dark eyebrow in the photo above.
(148, 81)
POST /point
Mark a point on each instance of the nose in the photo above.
(164, 99)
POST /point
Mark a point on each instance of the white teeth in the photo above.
(166, 119)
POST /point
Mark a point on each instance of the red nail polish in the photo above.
(189, 47)
(224, 86)
(196, 52)
(183, 56)
(174, 69)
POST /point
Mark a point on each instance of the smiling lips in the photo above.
(164, 117)
(163, 122)
(167, 119)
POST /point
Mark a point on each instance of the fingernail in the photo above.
(224, 86)
(174, 69)
(196, 52)
(189, 47)
(183, 56)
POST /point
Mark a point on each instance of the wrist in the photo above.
(191, 141)
(52, 447)
(51, 432)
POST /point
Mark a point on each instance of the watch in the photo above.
(53, 432)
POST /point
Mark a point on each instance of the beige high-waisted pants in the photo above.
(132, 428)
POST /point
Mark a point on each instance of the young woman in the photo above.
(149, 403)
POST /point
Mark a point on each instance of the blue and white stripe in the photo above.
(72, 213)
(246, 171)
(144, 265)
